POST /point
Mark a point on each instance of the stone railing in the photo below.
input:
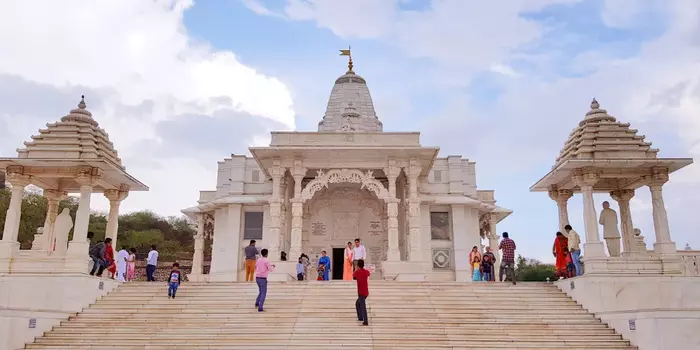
(690, 262)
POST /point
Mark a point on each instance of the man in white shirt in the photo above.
(151, 263)
(574, 247)
(358, 253)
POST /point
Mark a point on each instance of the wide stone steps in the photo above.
(413, 315)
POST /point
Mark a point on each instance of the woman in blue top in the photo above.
(326, 262)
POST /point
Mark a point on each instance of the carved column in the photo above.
(593, 246)
(115, 198)
(623, 198)
(14, 211)
(87, 179)
(561, 197)
(655, 182)
(298, 172)
(198, 256)
(413, 171)
(49, 239)
(393, 253)
(493, 240)
(275, 211)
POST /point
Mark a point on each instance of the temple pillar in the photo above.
(79, 245)
(561, 197)
(413, 171)
(393, 253)
(115, 198)
(655, 182)
(493, 240)
(275, 212)
(593, 246)
(9, 246)
(623, 198)
(298, 172)
(198, 256)
(48, 240)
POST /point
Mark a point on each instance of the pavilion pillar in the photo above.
(9, 246)
(623, 198)
(275, 212)
(48, 242)
(493, 241)
(115, 198)
(393, 253)
(198, 256)
(413, 171)
(593, 246)
(655, 182)
(298, 172)
(561, 197)
(79, 246)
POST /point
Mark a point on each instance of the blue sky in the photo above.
(502, 83)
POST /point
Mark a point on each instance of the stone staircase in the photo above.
(321, 315)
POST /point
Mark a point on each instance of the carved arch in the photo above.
(323, 179)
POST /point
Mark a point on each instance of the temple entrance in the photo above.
(337, 261)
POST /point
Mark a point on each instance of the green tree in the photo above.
(532, 270)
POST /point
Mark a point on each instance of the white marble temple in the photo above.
(416, 213)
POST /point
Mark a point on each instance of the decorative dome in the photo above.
(350, 106)
(76, 136)
(600, 136)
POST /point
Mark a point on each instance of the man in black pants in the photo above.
(362, 277)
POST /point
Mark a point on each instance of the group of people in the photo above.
(263, 267)
(351, 259)
(121, 266)
(567, 252)
(483, 265)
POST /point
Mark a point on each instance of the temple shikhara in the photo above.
(417, 214)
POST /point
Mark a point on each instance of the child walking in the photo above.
(174, 280)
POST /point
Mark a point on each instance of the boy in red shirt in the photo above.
(362, 276)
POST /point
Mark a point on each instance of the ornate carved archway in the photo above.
(323, 179)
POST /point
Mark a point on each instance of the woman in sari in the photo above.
(325, 261)
(560, 250)
(347, 265)
(109, 259)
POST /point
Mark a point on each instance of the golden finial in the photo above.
(347, 53)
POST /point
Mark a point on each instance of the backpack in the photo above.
(97, 251)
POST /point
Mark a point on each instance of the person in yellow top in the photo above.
(574, 247)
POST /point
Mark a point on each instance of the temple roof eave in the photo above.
(630, 169)
(46, 170)
(225, 200)
(327, 157)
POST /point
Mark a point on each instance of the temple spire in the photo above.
(349, 54)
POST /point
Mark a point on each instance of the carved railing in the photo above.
(690, 262)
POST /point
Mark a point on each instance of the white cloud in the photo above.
(141, 67)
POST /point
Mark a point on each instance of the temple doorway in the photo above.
(337, 260)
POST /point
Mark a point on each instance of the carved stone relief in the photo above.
(442, 259)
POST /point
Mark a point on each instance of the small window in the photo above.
(437, 175)
(253, 225)
(256, 176)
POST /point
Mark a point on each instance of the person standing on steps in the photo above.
(325, 262)
(98, 255)
(262, 269)
(507, 246)
(251, 254)
(358, 253)
(574, 247)
(362, 277)
(151, 264)
(174, 280)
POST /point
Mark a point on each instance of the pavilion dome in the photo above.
(600, 136)
(77, 136)
(350, 107)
